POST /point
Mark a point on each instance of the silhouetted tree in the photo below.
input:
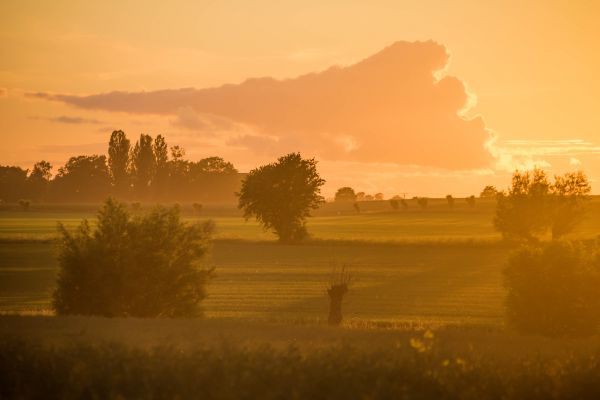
(489, 192)
(82, 178)
(141, 266)
(553, 289)
(13, 183)
(378, 196)
(39, 180)
(118, 161)
(143, 165)
(360, 196)
(281, 195)
(161, 173)
(533, 205)
(450, 200)
(345, 193)
(338, 287)
(471, 201)
(24, 204)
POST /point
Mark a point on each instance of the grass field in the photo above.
(423, 317)
(438, 265)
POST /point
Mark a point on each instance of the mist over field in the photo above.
(272, 200)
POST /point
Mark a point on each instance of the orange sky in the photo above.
(532, 69)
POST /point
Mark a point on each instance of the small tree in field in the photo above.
(24, 204)
(345, 194)
(533, 205)
(337, 289)
(281, 195)
(450, 200)
(471, 201)
(489, 192)
(553, 289)
(142, 266)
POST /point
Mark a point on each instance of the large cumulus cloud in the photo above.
(390, 107)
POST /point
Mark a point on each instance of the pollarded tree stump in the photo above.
(336, 295)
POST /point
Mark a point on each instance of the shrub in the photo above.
(552, 289)
(24, 204)
(470, 201)
(533, 206)
(345, 194)
(197, 207)
(143, 266)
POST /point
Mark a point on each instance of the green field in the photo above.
(424, 315)
(438, 265)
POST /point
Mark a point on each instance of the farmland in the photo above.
(437, 265)
(425, 304)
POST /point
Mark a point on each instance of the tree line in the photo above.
(147, 170)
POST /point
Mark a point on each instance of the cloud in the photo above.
(65, 119)
(396, 106)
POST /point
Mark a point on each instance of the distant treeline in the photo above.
(149, 170)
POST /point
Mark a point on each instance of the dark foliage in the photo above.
(553, 289)
(281, 195)
(143, 265)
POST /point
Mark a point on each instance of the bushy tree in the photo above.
(471, 201)
(281, 195)
(489, 192)
(552, 289)
(144, 265)
(39, 180)
(570, 193)
(532, 206)
(378, 196)
(345, 193)
(82, 178)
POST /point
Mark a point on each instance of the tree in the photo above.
(533, 206)
(378, 196)
(161, 173)
(360, 196)
(471, 201)
(39, 180)
(450, 200)
(570, 193)
(82, 178)
(423, 202)
(553, 289)
(140, 266)
(13, 181)
(489, 192)
(143, 164)
(281, 195)
(345, 193)
(118, 161)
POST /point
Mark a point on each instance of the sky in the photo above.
(426, 98)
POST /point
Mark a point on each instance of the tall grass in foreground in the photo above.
(416, 370)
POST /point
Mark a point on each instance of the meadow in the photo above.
(424, 315)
